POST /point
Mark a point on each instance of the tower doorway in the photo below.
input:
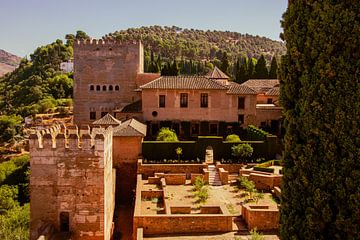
(64, 222)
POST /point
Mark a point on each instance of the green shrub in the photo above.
(167, 135)
(14, 224)
(8, 198)
(242, 150)
(10, 126)
(202, 194)
(232, 138)
(46, 104)
(199, 183)
(178, 152)
(255, 235)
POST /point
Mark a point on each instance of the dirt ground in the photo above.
(183, 195)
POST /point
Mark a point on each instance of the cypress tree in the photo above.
(250, 69)
(273, 69)
(224, 63)
(174, 70)
(261, 71)
(320, 89)
(242, 73)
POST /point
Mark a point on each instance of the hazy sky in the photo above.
(27, 24)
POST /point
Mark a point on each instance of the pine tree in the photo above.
(320, 89)
(261, 71)
(273, 69)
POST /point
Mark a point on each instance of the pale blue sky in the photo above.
(27, 24)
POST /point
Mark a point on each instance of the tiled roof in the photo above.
(261, 85)
(130, 128)
(275, 91)
(108, 119)
(235, 88)
(216, 73)
(183, 82)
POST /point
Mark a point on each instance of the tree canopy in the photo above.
(320, 92)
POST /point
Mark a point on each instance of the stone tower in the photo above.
(72, 183)
(105, 77)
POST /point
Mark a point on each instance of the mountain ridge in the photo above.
(8, 62)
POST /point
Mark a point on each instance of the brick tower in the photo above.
(72, 183)
(105, 77)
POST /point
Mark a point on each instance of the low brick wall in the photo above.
(152, 194)
(153, 180)
(180, 209)
(175, 179)
(277, 192)
(206, 175)
(224, 176)
(183, 223)
(231, 167)
(210, 210)
(248, 172)
(260, 217)
(148, 170)
(265, 182)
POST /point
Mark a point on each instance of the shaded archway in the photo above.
(209, 155)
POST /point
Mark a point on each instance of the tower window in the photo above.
(117, 88)
(204, 100)
(104, 88)
(161, 101)
(92, 88)
(183, 100)
(97, 87)
(269, 101)
(110, 88)
(64, 222)
(241, 103)
(92, 115)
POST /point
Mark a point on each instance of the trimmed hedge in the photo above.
(255, 133)
(153, 150)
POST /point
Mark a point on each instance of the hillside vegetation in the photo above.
(196, 44)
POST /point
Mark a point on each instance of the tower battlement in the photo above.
(104, 42)
(70, 138)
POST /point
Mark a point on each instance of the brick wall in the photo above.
(175, 179)
(231, 168)
(261, 217)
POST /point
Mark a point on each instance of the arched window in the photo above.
(117, 88)
(97, 87)
(110, 87)
(104, 88)
(92, 88)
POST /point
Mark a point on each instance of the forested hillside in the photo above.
(196, 44)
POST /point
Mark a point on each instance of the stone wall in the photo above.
(265, 182)
(64, 180)
(231, 168)
(260, 217)
(126, 151)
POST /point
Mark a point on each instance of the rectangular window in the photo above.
(92, 115)
(195, 127)
(213, 129)
(269, 101)
(183, 100)
(204, 100)
(241, 118)
(241, 103)
(161, 101)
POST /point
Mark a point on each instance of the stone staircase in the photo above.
(214, 178)
(239, 225)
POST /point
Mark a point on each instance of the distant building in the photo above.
(67, 67)
(109, 78)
